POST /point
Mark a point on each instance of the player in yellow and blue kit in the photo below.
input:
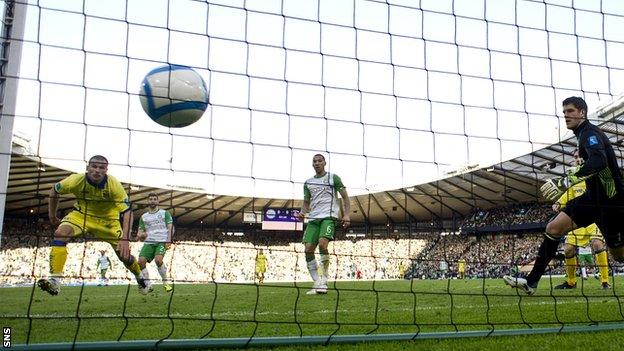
(461, 268)
(100, 203)
(581, 237)
(261, 267)
(402, 270)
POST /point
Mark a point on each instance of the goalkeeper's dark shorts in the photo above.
(607, 214)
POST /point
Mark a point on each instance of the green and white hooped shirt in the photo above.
(322, 193)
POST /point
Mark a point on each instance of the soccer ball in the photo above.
(174, 96)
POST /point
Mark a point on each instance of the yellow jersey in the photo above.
(575, 191)
(108, 199)
(461, 265)
(402, 268)
(261, 261)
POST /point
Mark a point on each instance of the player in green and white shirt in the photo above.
(103, 264)
(320, 204)
(585, 259)
(156, 228)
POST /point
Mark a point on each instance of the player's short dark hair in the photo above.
(323, 157)
(577, 101)
(98, 159)
(152, 194)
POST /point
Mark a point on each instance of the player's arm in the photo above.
(169, 231)
(110, 264)
(563, 199)
(120, 197)
(596, 161)
(596, 155)
(554, 188)
(169, 235)
(346, 207)
(141, 234)
(305, 208)
(126, 224)
(169, 221)
(346, 202)
(53, 206)
(62, 187)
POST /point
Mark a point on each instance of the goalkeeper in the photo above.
(602, 203)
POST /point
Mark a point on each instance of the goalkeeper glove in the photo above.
(555, 187)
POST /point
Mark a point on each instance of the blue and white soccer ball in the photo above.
(174, 96)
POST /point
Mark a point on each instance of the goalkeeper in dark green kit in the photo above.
(602, 203)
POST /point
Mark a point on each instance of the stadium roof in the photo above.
(513, 181)
(30, 182)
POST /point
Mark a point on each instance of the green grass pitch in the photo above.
(93, 313)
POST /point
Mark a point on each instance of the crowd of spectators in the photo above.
(198, 256)
(486, 256)
(514, 214)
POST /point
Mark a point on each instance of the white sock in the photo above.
(584, 271)
(145, 273)
(55, 280)
(325, 266)
(313, 270)
(163, 272)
